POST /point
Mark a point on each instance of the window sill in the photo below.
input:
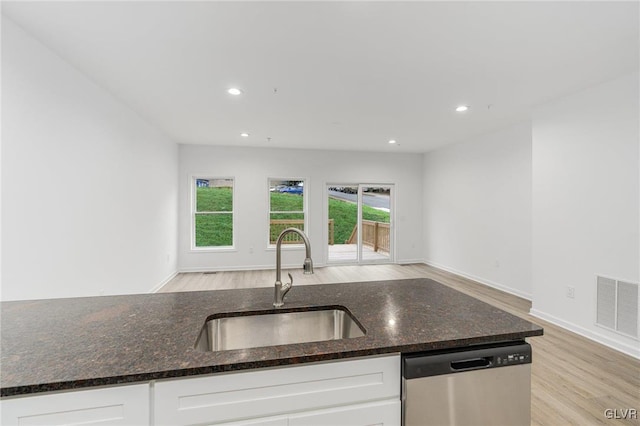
(213, 249)
(285, 247)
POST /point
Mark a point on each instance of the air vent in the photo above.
(617, 305)
(627, 318)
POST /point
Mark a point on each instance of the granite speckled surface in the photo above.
(73, 343)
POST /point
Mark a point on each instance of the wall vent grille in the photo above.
(617, 306)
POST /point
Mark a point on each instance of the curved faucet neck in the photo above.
(307, 246)
(280, 289)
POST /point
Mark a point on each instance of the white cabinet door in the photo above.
(385, 413)
(263, 421)
(119, 405)
(273, 392)
(382, 413)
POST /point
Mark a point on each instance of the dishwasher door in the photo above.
(487, 386)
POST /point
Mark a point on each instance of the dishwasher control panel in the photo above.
(513, 358)
(465, 359)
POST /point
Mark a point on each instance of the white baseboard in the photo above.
(623, 347)
(225, 268)
(243, 268)
(163, 282)
(273, 267)
(629, 349)
(409, 261)
(500, 287)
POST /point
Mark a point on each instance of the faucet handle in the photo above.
(286, 287)
(290, 283)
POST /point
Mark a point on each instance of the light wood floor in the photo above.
(573, 378)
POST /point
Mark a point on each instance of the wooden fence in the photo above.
(279, 225)
(374, 234)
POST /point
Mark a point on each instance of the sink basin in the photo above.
(268, 328)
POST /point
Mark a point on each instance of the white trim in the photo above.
(604, 327)
(286, 247)
(630, 350)
(214, 249)
(269, 267)
(359, 225)
(393, 215)
(522, 294)
(163, 282)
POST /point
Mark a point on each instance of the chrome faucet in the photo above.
(281, 289)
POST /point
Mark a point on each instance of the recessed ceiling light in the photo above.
(392, 141)
(234, 91)
(462, 108)
(244, 134)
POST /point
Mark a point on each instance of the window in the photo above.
(212, 212)
(286, 209)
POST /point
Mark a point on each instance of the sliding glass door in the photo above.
(343, 223)
(360, 225)
(375, 220)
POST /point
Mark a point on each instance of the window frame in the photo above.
(304, 212)
(193, 205)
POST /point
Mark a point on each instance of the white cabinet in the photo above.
(355, 392)
(262, 421)
(120, 405)
(385, 413)
(361, 391)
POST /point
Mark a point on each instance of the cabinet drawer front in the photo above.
(382, 413)
(268, 392)
(261, 421)
(121, 405)
(385, 413)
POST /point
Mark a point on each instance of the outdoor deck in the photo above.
(348, 252)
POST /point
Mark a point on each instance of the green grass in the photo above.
(215, 230)
(345, 217)
(281, 202)
(214, 199)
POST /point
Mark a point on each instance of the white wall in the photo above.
(89, 190)
(477, 209)
(251, 168)
(585, 203)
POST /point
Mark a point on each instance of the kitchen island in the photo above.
(63, 344)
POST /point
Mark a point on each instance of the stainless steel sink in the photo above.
(239, 331)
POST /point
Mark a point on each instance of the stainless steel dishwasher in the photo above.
(486, 385)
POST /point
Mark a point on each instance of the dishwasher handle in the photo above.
(471, 364)
(425, 364)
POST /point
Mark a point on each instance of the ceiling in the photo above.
(337, 75)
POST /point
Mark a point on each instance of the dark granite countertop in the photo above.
(81, 342)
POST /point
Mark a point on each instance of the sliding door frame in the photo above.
(359, 260)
